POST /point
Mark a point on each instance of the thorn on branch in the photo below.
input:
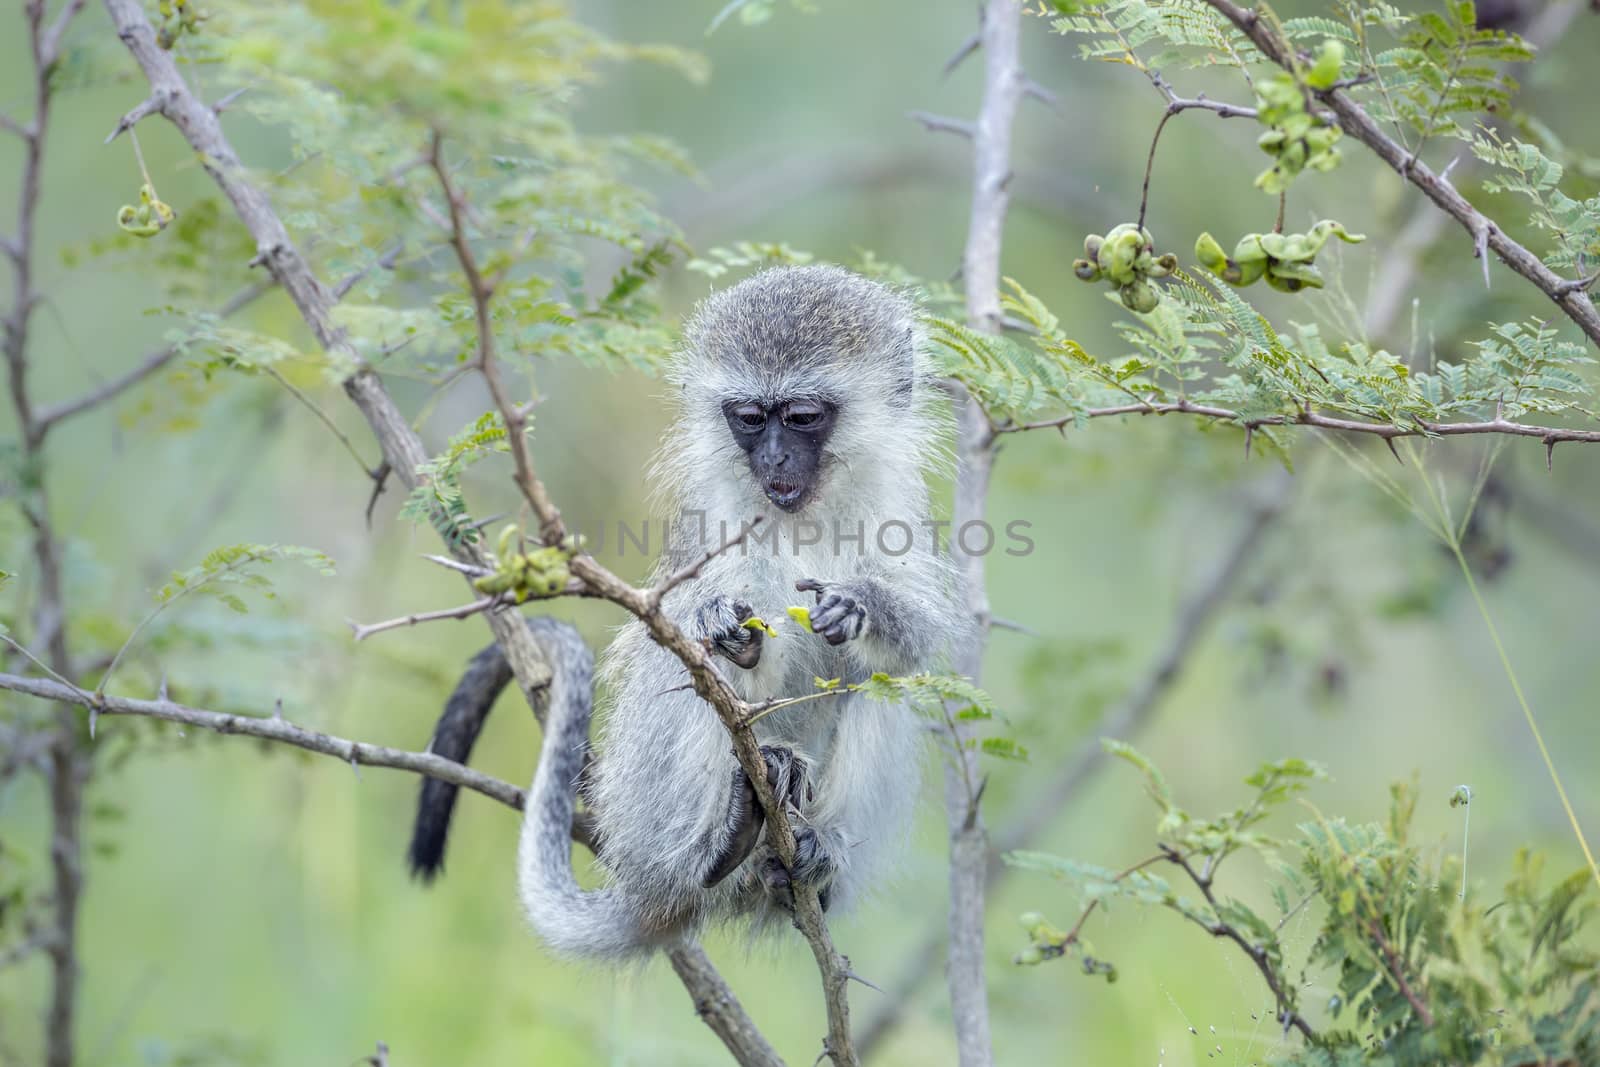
(227, 101)
(380, 479)
(1393, 451)
(1550, 455)
(465, 568)
(968, 46)
(153, 104)
(264, 256)
(1048, 97)
(944, 124)
(1480, 249)
(1575, 285)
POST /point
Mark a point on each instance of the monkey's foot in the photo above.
(812, 866)
(839, 616)
(720, 620)
(788, 776)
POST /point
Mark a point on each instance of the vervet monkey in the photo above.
(804, 397)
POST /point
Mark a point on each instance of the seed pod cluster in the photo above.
(1295, 137)
(528, 575)
(149, 218)
(1285, 260)
(1127, 257)
(178, 17)
(1046, 940)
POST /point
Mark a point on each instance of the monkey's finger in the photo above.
(811, 585)
(741, 610)
(835, 636)
(831, 611)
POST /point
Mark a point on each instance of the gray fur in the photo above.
(666, 792)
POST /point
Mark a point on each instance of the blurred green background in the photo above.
(251, 905)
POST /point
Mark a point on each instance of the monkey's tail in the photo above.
(572, 922)
(487, 674)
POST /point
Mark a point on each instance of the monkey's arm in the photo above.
(898, 618)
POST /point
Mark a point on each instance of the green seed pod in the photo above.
(1246, 273)
(1030, 956)
(1284, 285)
(1086, 270)
(1164, 265)
(1273, 244)
(1249, 249)
(1209, 253)
(1304, 275)
(1330, 61)
(1123, 251)
(1271, 141)
(1139, 295)
(1091, 247)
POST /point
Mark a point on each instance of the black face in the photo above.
(784, 442)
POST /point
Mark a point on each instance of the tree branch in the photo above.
(68, 765)
(1355, 121)
(45, 420)
(1550, 436)
(402, 448)
(716, 1005)
(1003, 87)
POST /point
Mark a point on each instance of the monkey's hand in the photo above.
(720, 620)
(841, 611)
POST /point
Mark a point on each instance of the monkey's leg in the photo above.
(786, 776)
(791, 779)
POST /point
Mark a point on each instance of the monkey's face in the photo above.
(784, 443)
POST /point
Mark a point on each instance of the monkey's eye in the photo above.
(804, 416)
(748, 416)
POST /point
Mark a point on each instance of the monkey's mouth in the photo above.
(787, 495)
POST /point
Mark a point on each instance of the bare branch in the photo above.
(46, 419)
(693, 569)
(717, 1007)
(1003, 87)
(11, 125)
(1388, 431)
(270, 728)
(151, 105)
(67, 767)
(1487, 235)
(465, 611)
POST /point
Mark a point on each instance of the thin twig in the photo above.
(1422, 428)
(46, 419)
(464, 611)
